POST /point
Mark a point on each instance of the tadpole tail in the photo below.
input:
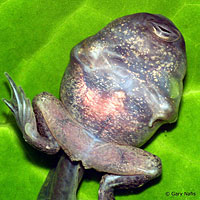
(62, 183)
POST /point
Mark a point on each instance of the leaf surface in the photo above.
(35, 42)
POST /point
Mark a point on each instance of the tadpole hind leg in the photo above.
(126, 167)
(27, 122)
(109, 182)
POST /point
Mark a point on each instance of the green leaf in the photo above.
(35, 41)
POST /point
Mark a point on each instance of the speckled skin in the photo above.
(121, 85)
(124, 82)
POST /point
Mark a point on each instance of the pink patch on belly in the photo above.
(100, 106)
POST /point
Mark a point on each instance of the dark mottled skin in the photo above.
(125, 82)
(121, 85)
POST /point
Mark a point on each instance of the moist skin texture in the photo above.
(120, 86)
(126, 81)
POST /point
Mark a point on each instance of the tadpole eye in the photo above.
(163, 31)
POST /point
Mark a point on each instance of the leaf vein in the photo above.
(178, 11)
(53, 34)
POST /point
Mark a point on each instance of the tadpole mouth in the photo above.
(167, 118)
